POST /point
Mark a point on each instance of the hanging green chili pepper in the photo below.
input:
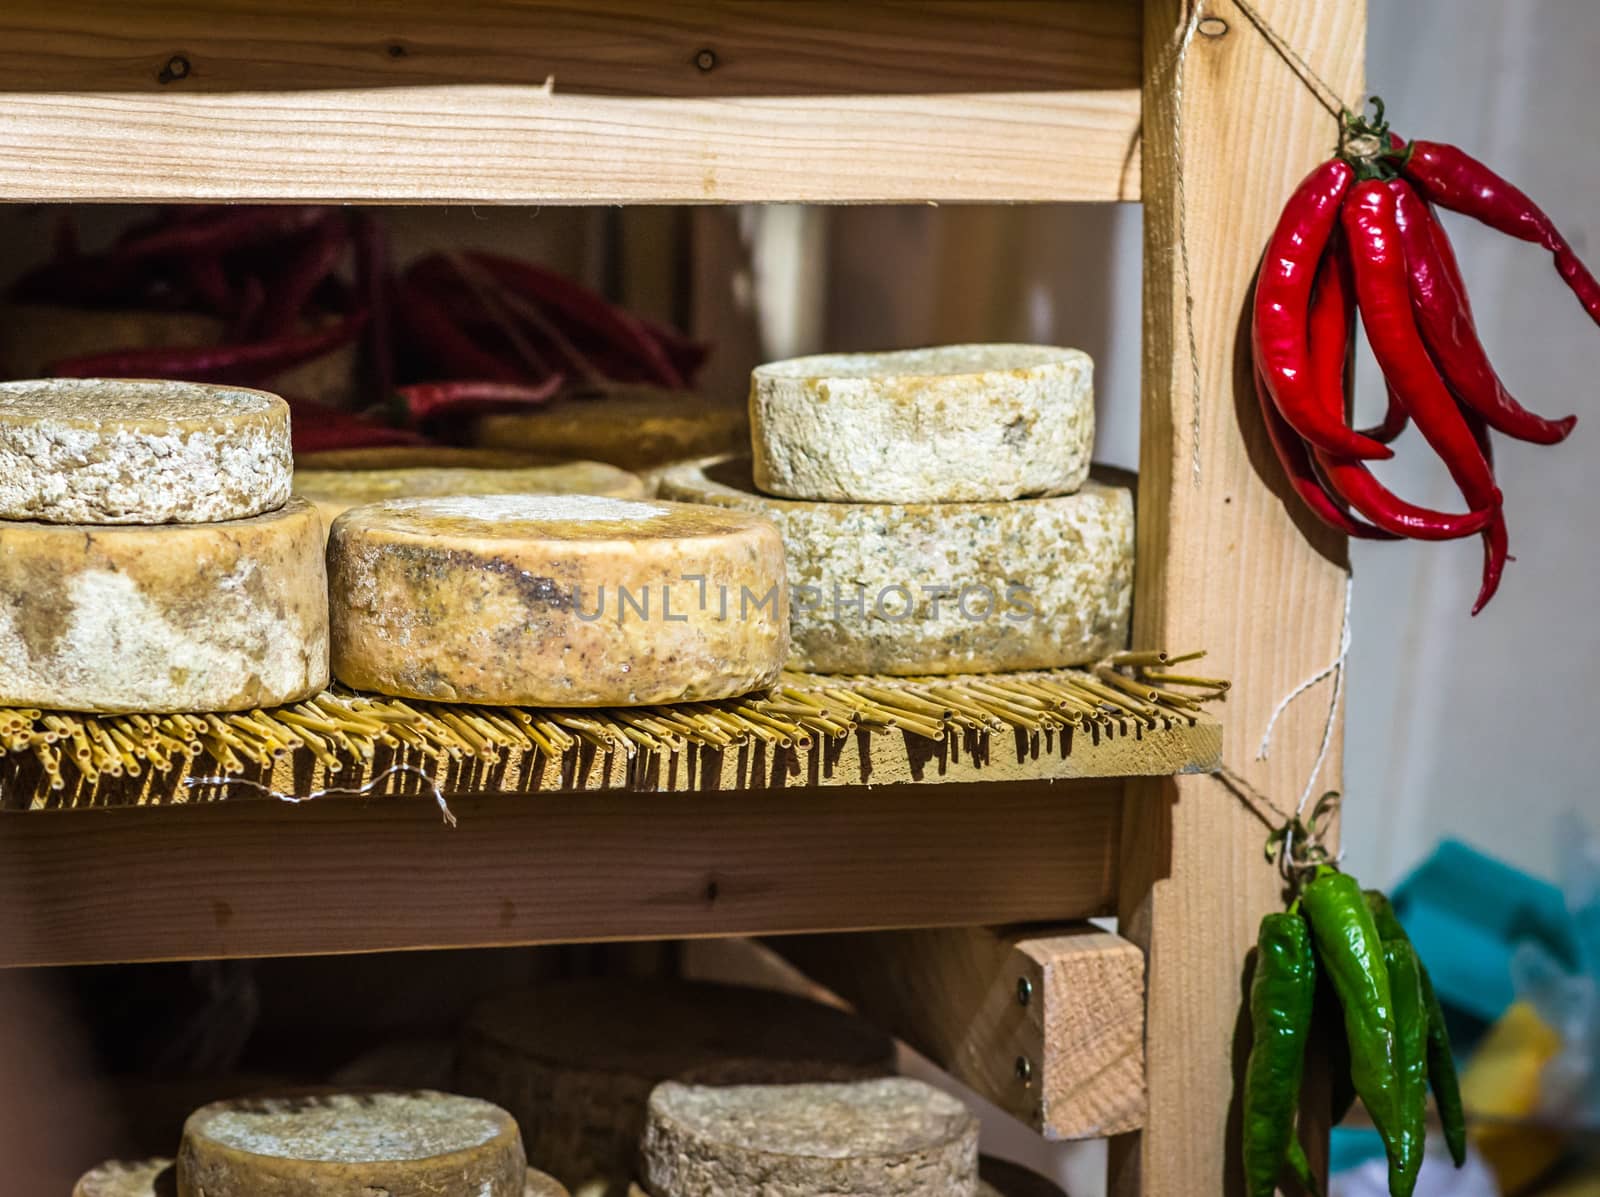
(1351, 951)
(1411, 1043)
(1441, 1060)
(1281, 996)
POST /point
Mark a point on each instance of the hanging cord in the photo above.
(1180, 59)
(359, 791)
(1319, 86)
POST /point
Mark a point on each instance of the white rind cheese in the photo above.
(414, 1144)
(556, 600)
(119, 1178)
(178, 617)
(884, 1138)
(924, 588)
(956, 424)
(336, 491)
(118, 451)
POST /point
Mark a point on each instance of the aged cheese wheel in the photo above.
(542, 1184)
(121, 1178)
(635, 428)
(942, 588)
(334, 492)
(114, 451)
(575, 1059)
(413, 457)
(559, 600)
(179, 617)
(956, 424)
(35, 336)
(894, 1137)
(1001, 1178)
(413, 1144)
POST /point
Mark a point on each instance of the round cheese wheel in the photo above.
(894, 1137)
(415, 1144)
(957, 424)
(1001, 1178)
(412, 457)
(636, 428)
(334, 492)
(121, 1178)
(557, 600)
(937, 588)
(114, 451)
(575, 1059)
(542, 1185)
(180, 617)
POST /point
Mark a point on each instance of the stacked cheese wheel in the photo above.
(936, 509)
(151, 557)
(401, 1144)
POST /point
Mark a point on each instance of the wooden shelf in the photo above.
(270, 878)
(673, 102)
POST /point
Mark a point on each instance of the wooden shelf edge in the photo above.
(271, 879)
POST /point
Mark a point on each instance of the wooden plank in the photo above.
(267, 879)
(1047, 1023)
(495, 144)
(606, 47)
(1110, 748)
(1225, 560)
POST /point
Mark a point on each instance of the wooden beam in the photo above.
(267, 879)
(646, 48)
(1047, 1023)
(1226, 559)
(405, 102)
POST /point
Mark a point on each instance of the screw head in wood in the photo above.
(706, 59)
(1024, 1071)
(1024, 991)
(1211, 27)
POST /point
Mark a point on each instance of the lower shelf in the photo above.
(268, 878)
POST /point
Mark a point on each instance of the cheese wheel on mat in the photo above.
(177, 617)
(635, 428)
(415, 1144)
(937, 588)
(894, 1137)
(956, 424)
(118, 451)
(334, 492)
(575, 1059)
(556, 600)
(120, 1178)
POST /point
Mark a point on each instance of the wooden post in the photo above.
(1223, 561)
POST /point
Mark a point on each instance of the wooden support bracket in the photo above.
(1047, 1023)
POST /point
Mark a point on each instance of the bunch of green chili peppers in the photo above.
(1340, 946)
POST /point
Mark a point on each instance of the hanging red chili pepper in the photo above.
(1413, 303)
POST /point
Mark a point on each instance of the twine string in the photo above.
(1181, 57)
(1320, 87)
(361, 790)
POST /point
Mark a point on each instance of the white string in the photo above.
(364, 788)
(1337, 670)
(1184, 43)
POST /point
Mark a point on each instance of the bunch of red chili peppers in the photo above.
(1361, 234)
(294, 284)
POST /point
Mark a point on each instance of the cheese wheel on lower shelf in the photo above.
(415, 1144)
(955, 424)
(556, 600)
(119, 1178)
(636, 428)
(541, 1184)
(885, 1138)
(178, 617)
(333, 492)
(920, 588)
(119, 451)
(575, 1060)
